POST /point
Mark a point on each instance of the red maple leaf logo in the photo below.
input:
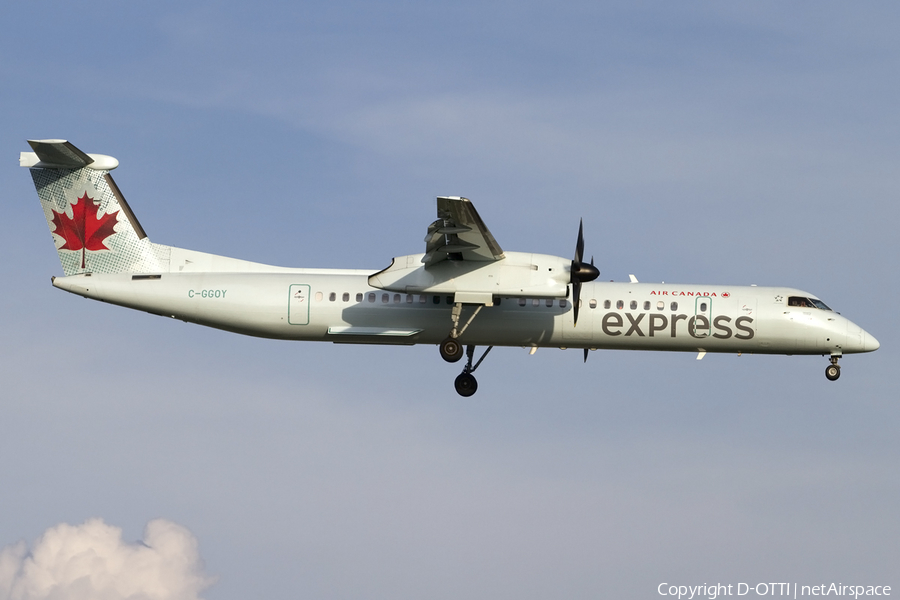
(84, 230)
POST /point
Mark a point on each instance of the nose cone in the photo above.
(870, 344)
(859, 340)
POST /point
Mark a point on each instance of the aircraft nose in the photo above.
(870, 344)
(859, 340)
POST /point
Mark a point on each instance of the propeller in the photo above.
(581, 272)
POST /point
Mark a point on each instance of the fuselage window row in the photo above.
(633, 305)
(372, 298)
(386, 298)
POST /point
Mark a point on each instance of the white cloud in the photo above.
(92, 561)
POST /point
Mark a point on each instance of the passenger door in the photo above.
(702, 310)
(298, 304)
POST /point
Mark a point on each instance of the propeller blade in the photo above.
(576, 300)
(580, 272)
(579, 245)
(585, 355)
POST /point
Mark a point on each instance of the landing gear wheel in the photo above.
(466, 385)
(451, 350)
(832, 372)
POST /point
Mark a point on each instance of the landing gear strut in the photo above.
(833, 371)
(465, 383)
(451, 349)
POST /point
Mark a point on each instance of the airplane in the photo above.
(462, 292)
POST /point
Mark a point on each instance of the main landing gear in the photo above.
(452, 351)
(833, 371)
(465, 383)
(451, 348)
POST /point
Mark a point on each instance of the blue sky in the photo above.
(700, 142)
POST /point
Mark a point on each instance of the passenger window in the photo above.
(549, 302)
(359, 297)
(497, 301)
(674, 306)
(318, 296)
(521, 301)
(385, 298)
(396, 298)
(449, 299)
(646, 305)
(703, 307)
(562, 303)
(371, 296)
(620, 304)
(593, 303)
(633, 305)
(535, 302)
(409, 298)
(660, 305)
(436, 299)
(606, 304)
(332, 297)
(421, 298)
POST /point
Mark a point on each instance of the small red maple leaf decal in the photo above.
(84, 230)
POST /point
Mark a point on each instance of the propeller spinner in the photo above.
(581, 272)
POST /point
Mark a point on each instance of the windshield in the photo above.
(803, 302)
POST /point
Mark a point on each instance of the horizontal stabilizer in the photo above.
(60, 154)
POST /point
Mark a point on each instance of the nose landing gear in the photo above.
(465, 383)
(833, 371)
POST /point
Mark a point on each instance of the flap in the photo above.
(459, 234)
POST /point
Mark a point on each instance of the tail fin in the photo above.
(93, 227)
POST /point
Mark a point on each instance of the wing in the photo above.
(459, 234)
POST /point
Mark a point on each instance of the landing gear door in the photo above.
(298, 304)
(701, 324)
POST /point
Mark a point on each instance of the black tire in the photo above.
(466, 385)
(832, 372)
(451, 350)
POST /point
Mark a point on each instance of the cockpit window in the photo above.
(819, 304)
(802, 302)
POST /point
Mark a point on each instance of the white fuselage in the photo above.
(463, 291)
(341, 306)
